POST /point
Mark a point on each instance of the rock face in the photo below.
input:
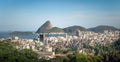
(46, 26)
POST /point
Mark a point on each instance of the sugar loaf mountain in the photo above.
(47, 27)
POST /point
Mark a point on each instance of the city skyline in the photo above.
(29, 15)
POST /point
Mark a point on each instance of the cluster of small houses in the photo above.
(45, 46)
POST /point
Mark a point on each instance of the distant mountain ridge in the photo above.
(101, 28)
(47, 28)
(20, 33)
(72, 29)
(55, 30)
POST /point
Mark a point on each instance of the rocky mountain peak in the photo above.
(46, 26)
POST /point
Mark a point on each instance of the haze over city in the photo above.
(29, 15)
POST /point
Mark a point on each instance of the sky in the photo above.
(29, 15)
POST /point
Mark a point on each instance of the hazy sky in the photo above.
(29, 15)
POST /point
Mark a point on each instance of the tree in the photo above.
(59, 58)
(82, 58)
(78, 57)
(10, 54)
(72, 57)
(28, 55)
(116, 44)
(112, 52)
